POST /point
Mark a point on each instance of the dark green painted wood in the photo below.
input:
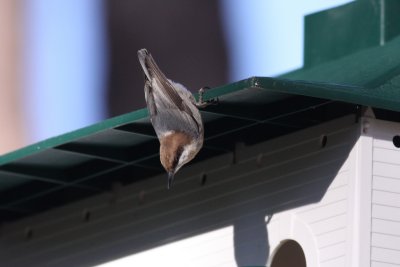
(368, 68)
(344, 30)
(387, 96)
(65, 138)
(392, 21)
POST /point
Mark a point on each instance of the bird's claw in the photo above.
(201, 103)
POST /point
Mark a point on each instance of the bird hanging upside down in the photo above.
(175, 116)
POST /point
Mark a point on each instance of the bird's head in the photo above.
(176, 149)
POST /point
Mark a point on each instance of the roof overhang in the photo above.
(124, 149)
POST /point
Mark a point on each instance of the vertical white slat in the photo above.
(359, 220)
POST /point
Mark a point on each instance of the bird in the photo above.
(175, 116)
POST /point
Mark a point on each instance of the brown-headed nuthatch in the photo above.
(175, 117)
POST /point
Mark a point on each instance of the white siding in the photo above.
(385, 239)
(385, 255)
(340, 261)
(382, 264)
(193, 225)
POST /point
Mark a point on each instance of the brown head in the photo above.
(176, 149)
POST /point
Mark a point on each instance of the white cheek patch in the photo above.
(185, 156)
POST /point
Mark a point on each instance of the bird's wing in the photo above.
(149, 96)
(159, 90)
(165, 85)
(167, 117)
(169, 120)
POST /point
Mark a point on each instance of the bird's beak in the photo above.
(170, 179)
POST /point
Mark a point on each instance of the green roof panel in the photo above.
(124, 149)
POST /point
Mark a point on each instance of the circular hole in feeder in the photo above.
(288, 253)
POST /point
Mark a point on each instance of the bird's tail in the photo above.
(149, 66)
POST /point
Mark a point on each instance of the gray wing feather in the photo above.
(170, 105)
(151, 105)
(169, 117)
(164, 83)
(174, 120)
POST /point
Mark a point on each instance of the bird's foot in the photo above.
(201, 103)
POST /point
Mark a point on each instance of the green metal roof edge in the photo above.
(379, 98)
(230, 88)
(385, 98)
(67, 137)
(346, 93)
(108, 124)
